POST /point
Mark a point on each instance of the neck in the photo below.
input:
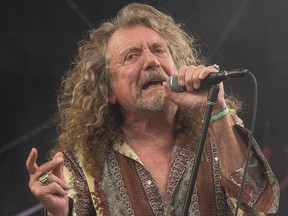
(151, 136)
(153, 130)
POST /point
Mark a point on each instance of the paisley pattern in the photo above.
(127, 188)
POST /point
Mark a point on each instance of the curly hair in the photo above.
(87, 119)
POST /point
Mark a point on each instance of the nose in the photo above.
(150, 61)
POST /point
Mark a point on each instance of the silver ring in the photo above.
(216, 66)
(44, 179)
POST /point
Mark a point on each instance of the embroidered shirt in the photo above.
(127, 188)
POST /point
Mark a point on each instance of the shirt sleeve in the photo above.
(261, 191)
(80, 203)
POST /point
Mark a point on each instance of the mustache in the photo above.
(153, 75)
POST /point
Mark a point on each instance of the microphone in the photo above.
(211, 79)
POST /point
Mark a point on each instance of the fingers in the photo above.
(181, 75)
(49, 178)
(56, 188)
(191, 76)
(56, 181)
(48, 167)
(44, 181)
(51, 189)
(58, 171)
(31, 162)
(54, 166)
(32, 166)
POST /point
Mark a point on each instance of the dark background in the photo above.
(37, 43)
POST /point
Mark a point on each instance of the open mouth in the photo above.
(152, 83)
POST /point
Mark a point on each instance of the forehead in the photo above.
(134, 36)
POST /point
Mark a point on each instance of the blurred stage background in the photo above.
(38, 41)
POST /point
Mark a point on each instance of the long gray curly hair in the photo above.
(86, 118)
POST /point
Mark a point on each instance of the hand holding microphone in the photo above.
(194, 97)
(211, 79)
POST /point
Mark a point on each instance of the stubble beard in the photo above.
(155, 103)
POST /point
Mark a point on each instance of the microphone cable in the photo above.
(250, 137)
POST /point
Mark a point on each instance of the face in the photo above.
(139, 62)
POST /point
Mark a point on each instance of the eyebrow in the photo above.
(161, 44)
(139, 48)
(130, 49)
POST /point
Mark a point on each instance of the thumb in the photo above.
(176, 98)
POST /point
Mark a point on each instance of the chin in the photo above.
(154, 103)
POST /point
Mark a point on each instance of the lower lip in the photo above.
(153, 87)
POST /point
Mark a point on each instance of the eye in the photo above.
(131, 56)
(159, 51)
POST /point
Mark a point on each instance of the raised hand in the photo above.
(47, 183)
(196, 95)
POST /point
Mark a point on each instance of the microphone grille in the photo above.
(173, 82)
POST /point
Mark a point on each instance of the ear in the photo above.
(112, 97)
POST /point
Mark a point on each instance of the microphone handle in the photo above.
(211, 79)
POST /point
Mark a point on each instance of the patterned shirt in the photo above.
(127, 188)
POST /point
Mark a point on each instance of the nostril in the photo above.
(151, 62)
